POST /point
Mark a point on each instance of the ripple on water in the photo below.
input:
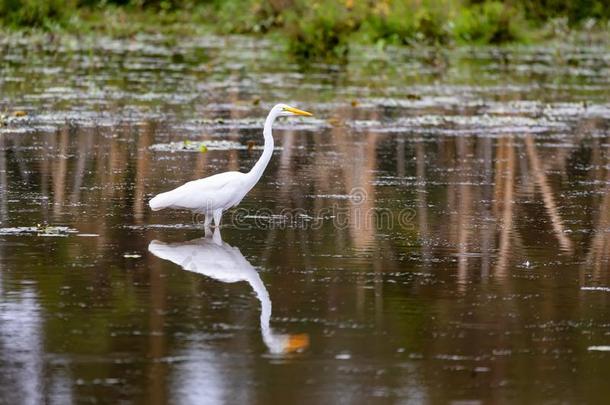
(202, 146)
(38, 231)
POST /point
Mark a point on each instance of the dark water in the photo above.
(438, 233)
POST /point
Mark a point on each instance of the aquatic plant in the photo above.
(406, 22)
(326, 28)
(490, 22)
(35, 13)
(322, 28)
(247, 16)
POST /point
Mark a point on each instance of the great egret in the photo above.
(212, 195)
(212, 257)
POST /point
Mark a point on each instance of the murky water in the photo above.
(439, 232)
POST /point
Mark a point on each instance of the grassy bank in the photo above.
(316, 28)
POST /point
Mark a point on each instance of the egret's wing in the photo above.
(181, 254)
(196, 194)
(205, 257)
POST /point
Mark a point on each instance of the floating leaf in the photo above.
(335, 121)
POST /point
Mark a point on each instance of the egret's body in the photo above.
(212, 257)
(213, 195)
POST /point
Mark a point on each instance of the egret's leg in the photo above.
(206, 224)
(216, 237)
(217, 217)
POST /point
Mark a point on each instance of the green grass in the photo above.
(326, 28)
(35, 13)
(491, 22)
(319, 28)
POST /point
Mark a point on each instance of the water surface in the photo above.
(438, 232)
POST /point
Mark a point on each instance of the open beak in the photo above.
(296, 111)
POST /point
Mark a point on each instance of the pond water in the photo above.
(438, 232)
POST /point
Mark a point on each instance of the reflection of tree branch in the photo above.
(547, 195)
(422, 201)
(142, 169)
(59, 174)
(84, 146)
(48, 145)
(600, 245)
(363, 159)
(21, 161)
(362, 231)
(505, 186)
(465, 203)
(284, 176)
(236, 114)
(485, 154)
(3, 184)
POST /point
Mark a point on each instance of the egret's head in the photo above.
(284, 110)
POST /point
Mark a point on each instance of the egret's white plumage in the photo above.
(212, 195)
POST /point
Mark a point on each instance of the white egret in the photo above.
(213, 195)
(212, 257)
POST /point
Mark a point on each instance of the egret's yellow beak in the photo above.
(296, 111)
(297, 342)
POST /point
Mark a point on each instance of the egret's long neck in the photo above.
(271, 341)
(257, 171)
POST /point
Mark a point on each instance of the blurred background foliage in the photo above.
(323, 27)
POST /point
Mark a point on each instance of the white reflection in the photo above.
(20, 347)
(212, 257)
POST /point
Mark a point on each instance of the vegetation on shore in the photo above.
(315, 28)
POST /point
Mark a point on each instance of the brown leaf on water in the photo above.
(335, 121)
(20, 113)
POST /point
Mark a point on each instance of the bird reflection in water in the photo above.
(212, 257)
